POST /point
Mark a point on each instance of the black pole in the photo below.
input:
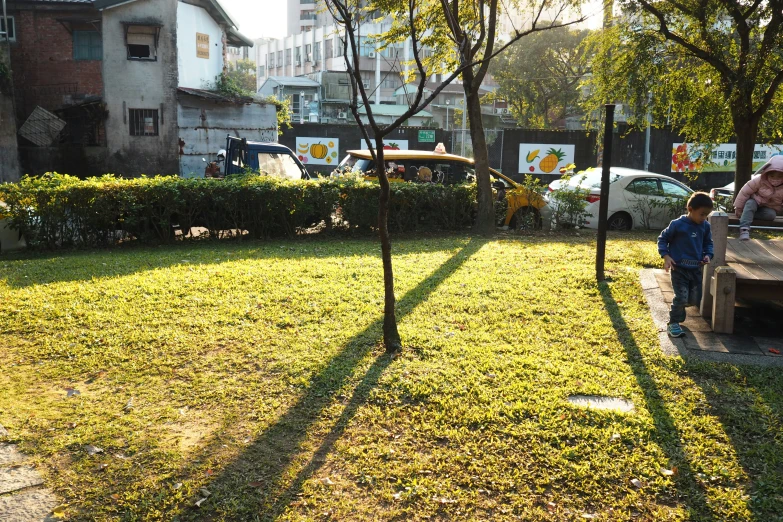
(603, 206)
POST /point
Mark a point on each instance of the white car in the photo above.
(637, 199)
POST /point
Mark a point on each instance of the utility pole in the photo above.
(603, 206)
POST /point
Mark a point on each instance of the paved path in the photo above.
(754, 334)
(22, 497)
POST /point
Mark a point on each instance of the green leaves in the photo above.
(57, 210)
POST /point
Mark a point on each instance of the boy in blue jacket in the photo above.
(685, 246)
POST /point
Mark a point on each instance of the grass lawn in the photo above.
(253, 370)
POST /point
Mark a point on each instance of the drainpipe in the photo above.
(377, 77)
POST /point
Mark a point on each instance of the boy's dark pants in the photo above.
(687, 290)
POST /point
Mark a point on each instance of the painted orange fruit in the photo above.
(318, 151)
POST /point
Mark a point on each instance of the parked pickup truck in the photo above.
(272, 159)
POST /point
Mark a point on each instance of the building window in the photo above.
(261, 71)
(142, 42)
(11, 29)
(87, 45)
(366, 47)
(279, 58)
(308, 53)
(271, 60)
(143, 122)
(288, 56)
(298, 56)
(318, 52)
(328, 48)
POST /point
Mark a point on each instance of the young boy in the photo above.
(685, 246)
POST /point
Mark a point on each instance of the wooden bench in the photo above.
(740, 269)
(758, 223)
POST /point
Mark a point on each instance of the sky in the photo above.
(257, 18)
(267, 18)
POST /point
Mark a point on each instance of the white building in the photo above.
(160, 58)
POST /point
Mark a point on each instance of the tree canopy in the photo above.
(539, 76)
(710, 68)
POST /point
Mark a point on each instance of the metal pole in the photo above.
(301, 107)
(464, 119)
(647, 134)
(603, 206)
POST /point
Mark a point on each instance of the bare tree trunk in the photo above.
(391, 337)
(485, 218)
(746, 130)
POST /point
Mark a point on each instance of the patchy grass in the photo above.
(254, 371)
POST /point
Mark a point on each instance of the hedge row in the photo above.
(57, 210)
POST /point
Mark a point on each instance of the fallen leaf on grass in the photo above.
(205, 492)
(128, 405)
(773, 350)
(209, 472)
(667, 472)
(397, 496)
(589, 516)
(59, 511)
(199, 502)
(551, 506)
(256, 484)
(71, 392)
(447, 501)
(637, 483)
(101, 467)
(93, 450)
(327, 481)
(177, 486)
(616, 436)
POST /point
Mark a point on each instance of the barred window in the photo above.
(143, 122)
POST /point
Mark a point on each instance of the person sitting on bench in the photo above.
(761, 197)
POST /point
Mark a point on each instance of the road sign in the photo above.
(426, 136)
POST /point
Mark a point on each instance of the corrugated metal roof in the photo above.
(393, 110)
(294, 81)
(86, 2)
(211, 95)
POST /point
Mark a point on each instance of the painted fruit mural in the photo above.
(544, 158)
(318, 151)
(551, 160)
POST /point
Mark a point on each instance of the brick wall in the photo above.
(44, 70)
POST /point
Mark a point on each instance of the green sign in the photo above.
(427, 136)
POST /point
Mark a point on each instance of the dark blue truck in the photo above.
(272, 159)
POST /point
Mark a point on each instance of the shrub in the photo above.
(57, 210)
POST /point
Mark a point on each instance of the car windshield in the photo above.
(278, 165)
(354, 163)
(591, 179)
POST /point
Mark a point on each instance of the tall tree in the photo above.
(244, 74)
(466, 35)
(350, 15)
(711, 68)
(539, 77)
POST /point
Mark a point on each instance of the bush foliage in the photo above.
(58, 210)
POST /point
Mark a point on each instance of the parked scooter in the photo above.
(212, 170)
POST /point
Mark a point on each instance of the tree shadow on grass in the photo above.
(42, 268)
(666, 435)
(30, 268)
(277, 457)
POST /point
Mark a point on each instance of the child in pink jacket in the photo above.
(761, 197)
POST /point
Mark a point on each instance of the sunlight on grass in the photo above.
(255, 371)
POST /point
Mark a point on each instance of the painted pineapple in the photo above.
(550, 161)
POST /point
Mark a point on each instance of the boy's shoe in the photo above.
(744, 234)
(675, 330)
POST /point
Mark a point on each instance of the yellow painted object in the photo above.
(516, 196)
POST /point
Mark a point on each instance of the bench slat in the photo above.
(761, 258)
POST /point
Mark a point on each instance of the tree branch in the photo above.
(698, 52)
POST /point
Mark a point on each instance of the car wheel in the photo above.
(527, 218)
(620, 221)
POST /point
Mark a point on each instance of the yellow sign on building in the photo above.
(202, 45)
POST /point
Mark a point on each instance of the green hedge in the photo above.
(57, 210)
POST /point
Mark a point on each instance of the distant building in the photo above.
(123, 86)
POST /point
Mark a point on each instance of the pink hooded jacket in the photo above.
(761, 188)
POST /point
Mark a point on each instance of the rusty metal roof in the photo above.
(214, 96)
